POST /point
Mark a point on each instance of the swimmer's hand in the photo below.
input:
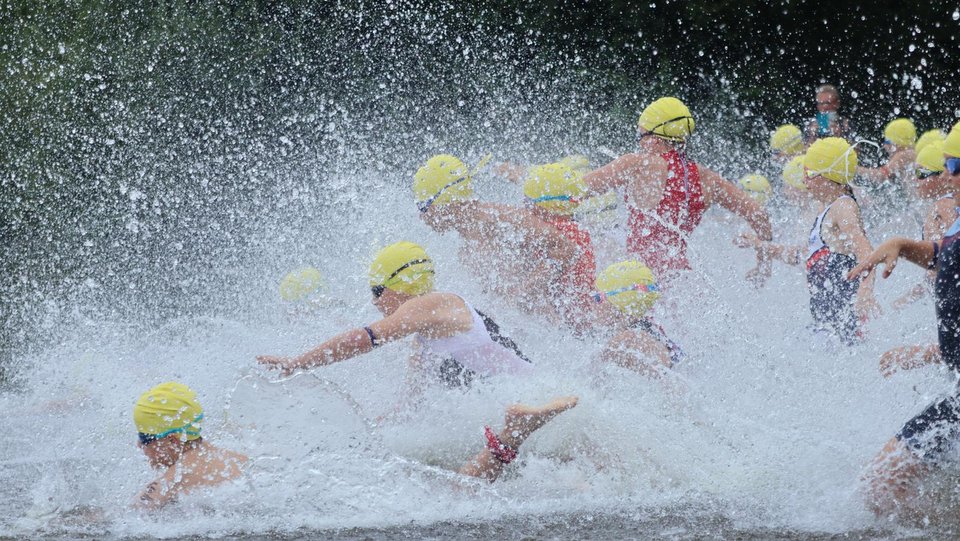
(287, 365)
(746, 240)
(908, 358)
(887, 253)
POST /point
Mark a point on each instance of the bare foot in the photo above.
(522, 420)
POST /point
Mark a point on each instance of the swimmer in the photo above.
(639, 344)
(919, 448)
(520, 253)
(899, 138)
(786, 142)
(667, 194)
(836, 242)
(168, 420)
(827, 122)
(932, 184)
(457, 346)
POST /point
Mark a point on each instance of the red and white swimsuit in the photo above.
(659, 238)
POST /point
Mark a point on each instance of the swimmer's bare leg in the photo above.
(893, 482)
(519, 422)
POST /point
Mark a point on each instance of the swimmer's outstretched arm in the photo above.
(791, 255)
(432, 314)
(728, 196)
(918, 252)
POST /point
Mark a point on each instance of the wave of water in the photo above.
(765, 426)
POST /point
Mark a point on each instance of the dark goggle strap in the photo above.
(377, 290)
(424, 205)
(653, 130)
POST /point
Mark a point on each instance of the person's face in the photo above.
(822, 188)
(388, 302)
(164, 452)
(827, 102)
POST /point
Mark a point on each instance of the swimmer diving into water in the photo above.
(456, 346)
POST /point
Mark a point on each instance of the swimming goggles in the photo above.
(952, 165)
(643, 288)
(147, 439)
(378, 290)
(427, 203)
(923, 173)
(653, 130)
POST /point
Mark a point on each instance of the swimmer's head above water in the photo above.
(555, 187)
(168, 418)
(443, 180)
(666, 119)
(629, 286)
(899, 133)
(398, 272)
(829, 163)
(757, 186)
(786, 141)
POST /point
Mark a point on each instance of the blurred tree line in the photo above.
(121, 122)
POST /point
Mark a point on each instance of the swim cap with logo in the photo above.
(403, 267)
(787, 139)
(555, 187)
(628, 285)
(833, 158)
(901, 132)
(443, 179)
(168, 408)
(793, 173)
(667, 118)
(757, 186)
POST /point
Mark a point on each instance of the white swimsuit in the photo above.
(475, 351)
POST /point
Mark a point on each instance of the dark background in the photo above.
(138, 140)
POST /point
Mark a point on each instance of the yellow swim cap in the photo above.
(793, 173)
(928, 137)
(628, 285)
(757, 186)
(301, 283)
(787, 139)
(577, 162)
(554, 187)
(168, 408)
(951, 145)
(930, 159)
(443, 179)
(833, 158)
(901, 132)
(403, 267)
(667, 118)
